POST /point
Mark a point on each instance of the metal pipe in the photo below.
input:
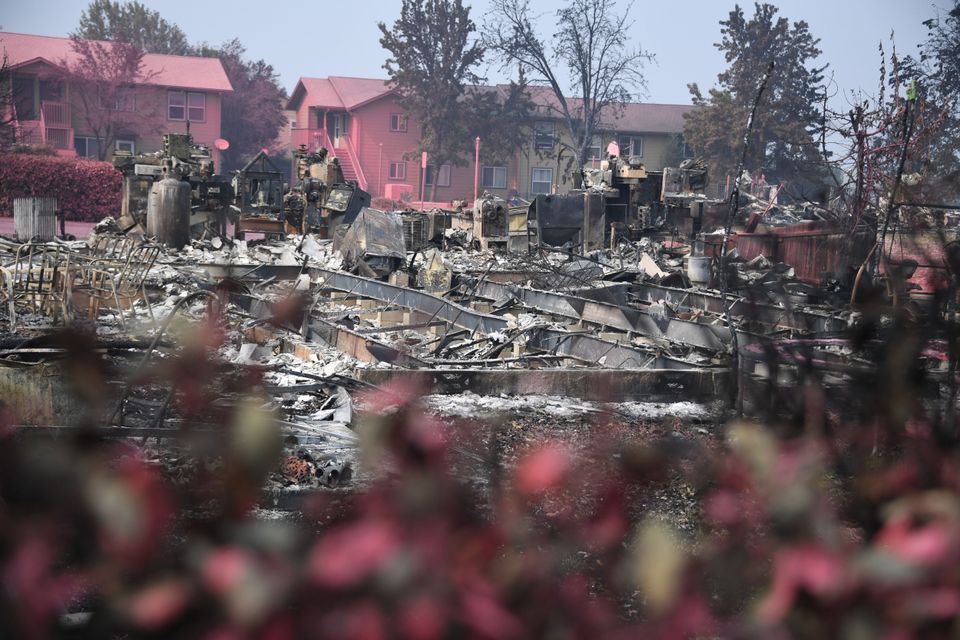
(476, 171)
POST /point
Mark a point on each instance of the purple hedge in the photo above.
(87, 190)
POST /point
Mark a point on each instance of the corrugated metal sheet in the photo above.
(813, 249)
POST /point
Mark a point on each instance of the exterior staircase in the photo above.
(53, 128)
(346, 164)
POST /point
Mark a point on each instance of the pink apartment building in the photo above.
(178, 89)
(361, 121)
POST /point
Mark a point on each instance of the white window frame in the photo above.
(394, 174)
(443, 175)
(541, 139)
(128, 144)
(625, 150)
(534, 181)
(183, 102)
(179, 103)
(398, 122)
(86, 146)
(494, 173)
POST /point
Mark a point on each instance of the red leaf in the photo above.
(347, 555)
(543, 469)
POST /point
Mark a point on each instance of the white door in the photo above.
(337, 129)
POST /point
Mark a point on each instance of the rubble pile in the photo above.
(595, 301)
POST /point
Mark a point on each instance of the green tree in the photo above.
(783, 145)
(936, 72)
(134, 23)
(252, 115)
(433, 57)
(591, 44)
(502, 118)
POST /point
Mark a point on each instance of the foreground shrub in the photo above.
(87, 190)
(842, 523)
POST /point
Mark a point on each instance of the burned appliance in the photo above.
(180, 159)
(373, 243)
(421, 229)
(623, 182)
(315, 171)
(343, 204)
(259, 186)
(491, 222)
(576, 218)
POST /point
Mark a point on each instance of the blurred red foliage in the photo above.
(805, 532)
(87, 190)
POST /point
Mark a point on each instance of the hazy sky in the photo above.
(326, 37)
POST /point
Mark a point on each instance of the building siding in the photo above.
(151, 104)
(370, 126)
(377, 147)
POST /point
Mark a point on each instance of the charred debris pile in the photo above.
(610, 293)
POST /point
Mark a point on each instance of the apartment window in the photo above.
(398, 122)
(685, 151)
(86, 147)
(493, 177)
(443, 175)
(125, 100)
(187, 105)
(125, 145)
(398, 170)
(543, 134)
(630, 145)
(541, 180)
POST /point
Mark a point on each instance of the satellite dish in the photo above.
(221, 144)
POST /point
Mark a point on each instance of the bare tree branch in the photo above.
(591, 42)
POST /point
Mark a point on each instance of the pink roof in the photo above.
(183, 72)
(319, 92)
(338, 92)
(356, 92)
(647, 117)
(638, 117)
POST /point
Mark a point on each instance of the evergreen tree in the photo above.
(134, 23)
(252, 115)
(783, 146)
(433, 60)
(936, 74)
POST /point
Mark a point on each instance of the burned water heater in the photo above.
(168, 211)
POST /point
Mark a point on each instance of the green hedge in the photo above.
(87, 190)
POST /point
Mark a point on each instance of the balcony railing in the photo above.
(312, 138)
(56, 114)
